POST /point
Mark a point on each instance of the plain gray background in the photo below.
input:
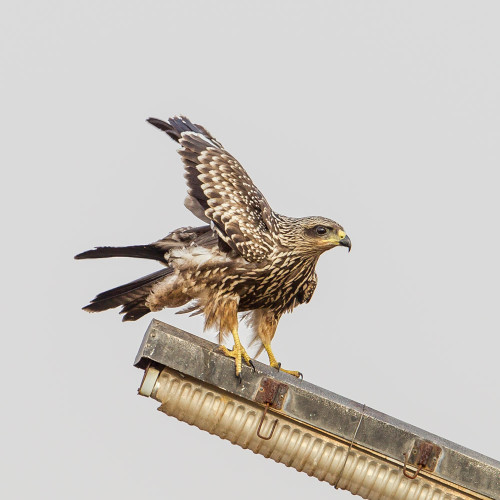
(381, 115)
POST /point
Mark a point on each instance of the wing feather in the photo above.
(220, 186)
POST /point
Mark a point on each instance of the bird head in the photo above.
(319, 234)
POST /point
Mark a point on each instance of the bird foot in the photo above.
(290, 372)
(237, 353)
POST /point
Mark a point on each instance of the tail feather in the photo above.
(134, 310)
(136, 314)
(131, 296)
(138, 251)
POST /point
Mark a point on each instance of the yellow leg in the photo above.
(275, 364)
(238, 353)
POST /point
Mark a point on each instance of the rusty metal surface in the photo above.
(424, 454)
(272, 393)
(320, 409)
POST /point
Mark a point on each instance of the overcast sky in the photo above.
(381, 115)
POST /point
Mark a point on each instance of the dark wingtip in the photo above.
(165, 127)
(159, 123)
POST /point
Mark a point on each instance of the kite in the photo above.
(245, 259)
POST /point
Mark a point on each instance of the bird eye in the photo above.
(320, 229)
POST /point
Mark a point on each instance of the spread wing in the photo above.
(220, 190)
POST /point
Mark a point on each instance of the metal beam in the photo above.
(304, 426)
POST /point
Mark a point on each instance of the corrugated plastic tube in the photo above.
(292, 443)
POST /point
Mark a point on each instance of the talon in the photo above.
(224, 350)
(277, 365)
(293, 373)
(274, 364)
(240, 379)
(238, 353)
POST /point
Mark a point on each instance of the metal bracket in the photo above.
(424, 456)
(271, 393)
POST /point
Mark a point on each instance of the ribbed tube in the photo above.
(294, 445)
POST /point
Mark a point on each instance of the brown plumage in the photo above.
(249, 259)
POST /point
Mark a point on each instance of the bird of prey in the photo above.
(246, 259)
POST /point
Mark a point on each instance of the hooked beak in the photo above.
(345, 242)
